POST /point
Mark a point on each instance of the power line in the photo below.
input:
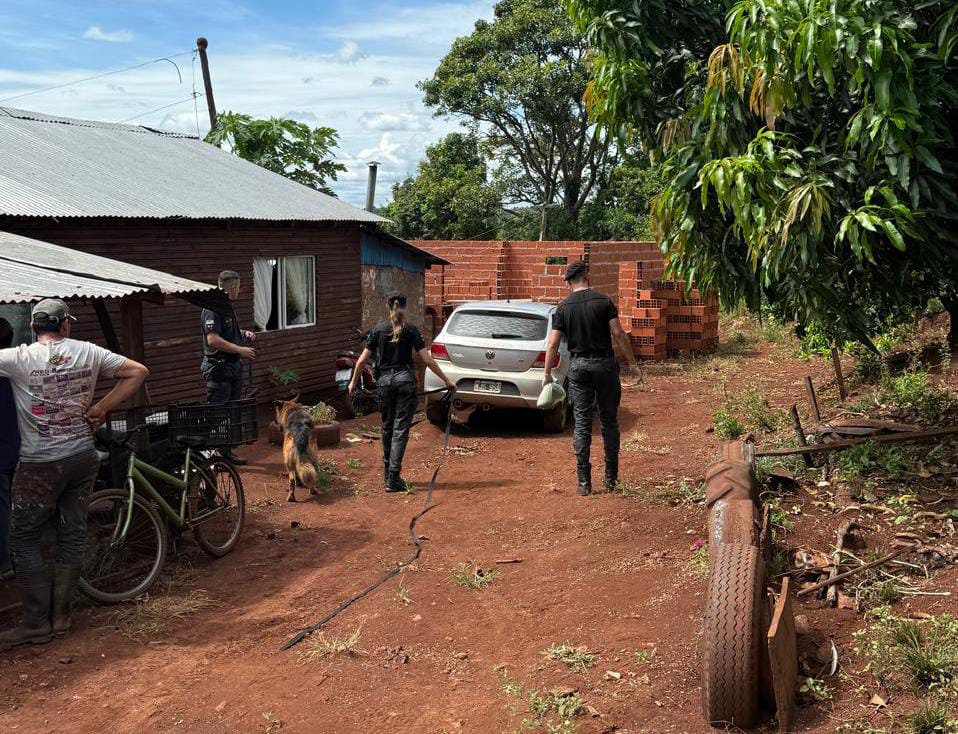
(100, 76)
(171, 104)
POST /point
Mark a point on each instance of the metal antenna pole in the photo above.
(201, 45)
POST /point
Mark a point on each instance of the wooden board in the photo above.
(783, 652)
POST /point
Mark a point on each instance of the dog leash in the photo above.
(417, 543)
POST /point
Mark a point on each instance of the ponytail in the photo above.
(397, 317)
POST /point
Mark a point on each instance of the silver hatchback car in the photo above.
(495, 352)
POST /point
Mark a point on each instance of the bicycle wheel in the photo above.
(218, 495)
(117, 569)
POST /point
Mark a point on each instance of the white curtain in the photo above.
(262, 292)
(299, 290)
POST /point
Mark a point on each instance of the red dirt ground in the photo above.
(610, 573)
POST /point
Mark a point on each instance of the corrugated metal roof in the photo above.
(61, 167)
(33, 269)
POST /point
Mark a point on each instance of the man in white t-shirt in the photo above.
(53, 381)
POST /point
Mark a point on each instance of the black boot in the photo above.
(585, 480)
(611, 477)
(64, 590)
(395, 483)
(386, 473)
(35, 627)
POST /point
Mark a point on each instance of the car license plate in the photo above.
(491, 387)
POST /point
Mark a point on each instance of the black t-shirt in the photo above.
(584, 319)
(226, 327)
(394, 354)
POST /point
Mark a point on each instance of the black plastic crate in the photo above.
(216, 424)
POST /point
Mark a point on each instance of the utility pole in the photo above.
(201, 44)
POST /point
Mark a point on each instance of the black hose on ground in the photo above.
(417, 543)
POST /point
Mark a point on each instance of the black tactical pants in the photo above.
(397, 404)
(224, 381)
(594, 381)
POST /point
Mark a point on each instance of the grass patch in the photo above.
(919, 654)
(675, 494)
(638, 442)
(551, 712)
(354, 463)
(577, 659)
(727, 426)
(817, 689)
(870, 458)
(402, 594)
(699, 562)
(646, 655)
(914, 393)
(470, 576)
(934, 717)
(319, 646)
(153, 616)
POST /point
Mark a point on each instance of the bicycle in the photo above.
(128, 528)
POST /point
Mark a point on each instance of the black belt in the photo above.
(601, 354)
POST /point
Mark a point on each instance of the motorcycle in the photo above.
(363, 401)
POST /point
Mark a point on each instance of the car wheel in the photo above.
(556, 419)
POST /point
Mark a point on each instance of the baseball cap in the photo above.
(51, 310)
(395, 296)
(576, 270)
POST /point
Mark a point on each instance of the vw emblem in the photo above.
(490, 355)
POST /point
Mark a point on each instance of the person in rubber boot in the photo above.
(394, 342)
(590, 322)
(53, 383)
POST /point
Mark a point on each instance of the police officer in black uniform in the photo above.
(223, 348)
(590, 322)
(393, 343)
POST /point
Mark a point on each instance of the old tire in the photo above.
(731, 671)
(327, 434)
(732, 522)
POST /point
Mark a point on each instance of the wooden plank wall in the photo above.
(200, 250)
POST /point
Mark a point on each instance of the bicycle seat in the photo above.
(192, 442)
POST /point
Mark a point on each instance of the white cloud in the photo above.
(385, 151)
(380, 81)
(96, 33)
(393, 121)
(349, 53)
(435, 25)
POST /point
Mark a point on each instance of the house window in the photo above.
(18, 316)
(284, 292)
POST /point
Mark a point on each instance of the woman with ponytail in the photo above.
(394, 342)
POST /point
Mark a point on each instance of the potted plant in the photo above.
(326, 428)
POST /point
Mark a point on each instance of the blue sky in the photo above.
(350, 65)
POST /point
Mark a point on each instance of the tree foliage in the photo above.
(449, 197)
(811, 160)
(288, 147)
(519, 81)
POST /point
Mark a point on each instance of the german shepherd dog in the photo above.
(299, 447)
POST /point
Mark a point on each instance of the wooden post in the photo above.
(839, 376)
(131, 316)
(106, 325)
(812, 399)
(800, 435)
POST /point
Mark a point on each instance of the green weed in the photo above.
(817, 689)
(470, 576)
(923, 654)
(699, 563)
(551, 712)
(934, 717)
(646, 655)
(354, 463)
(576, 658)
(323, 413)
(675, 494)
(916, 393)
(870, 458)
(727, 426)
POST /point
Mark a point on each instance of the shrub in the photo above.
(727, 426)
(323, 413)
(914, 392)
(870, 457)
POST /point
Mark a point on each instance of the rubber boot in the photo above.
(611, 477)
(64, 590)
(585, 480)
(35, 627)
(395, 483)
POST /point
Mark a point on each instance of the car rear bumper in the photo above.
(518, 389)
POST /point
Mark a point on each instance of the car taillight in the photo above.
(540, 362)
(439, 351)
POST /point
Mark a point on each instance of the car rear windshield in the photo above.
(498, 325)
